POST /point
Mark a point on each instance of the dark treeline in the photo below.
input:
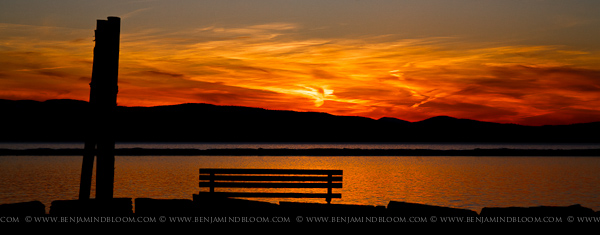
(66, 120)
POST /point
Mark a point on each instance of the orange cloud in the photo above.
(272, 66)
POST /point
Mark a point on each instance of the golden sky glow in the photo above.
(283, 64)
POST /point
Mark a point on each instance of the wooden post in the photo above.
(103, 101)
(330, 188)
(212, 181)
(87, 168)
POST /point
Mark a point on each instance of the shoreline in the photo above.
(225, 211)
(310, 152)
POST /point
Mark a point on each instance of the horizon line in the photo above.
(281, 110)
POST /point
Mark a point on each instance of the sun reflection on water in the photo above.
(461, 182)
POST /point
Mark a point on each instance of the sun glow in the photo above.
(268, 66)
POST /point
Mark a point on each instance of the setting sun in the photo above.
(296, 64)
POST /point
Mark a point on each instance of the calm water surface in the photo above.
(461, 182)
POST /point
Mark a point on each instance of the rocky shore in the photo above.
(205, 209)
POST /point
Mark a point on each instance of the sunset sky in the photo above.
(532, 62)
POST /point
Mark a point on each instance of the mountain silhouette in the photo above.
(66, 120)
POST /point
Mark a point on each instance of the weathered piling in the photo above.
(100, 140)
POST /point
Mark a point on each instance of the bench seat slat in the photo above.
(270, 171)
(273, 195)
(269, 178)
(213, 178)
(269, 185)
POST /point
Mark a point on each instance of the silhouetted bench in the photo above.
(271, 178)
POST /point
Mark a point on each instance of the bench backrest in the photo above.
(272, 178)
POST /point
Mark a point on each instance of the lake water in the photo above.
(461, 182)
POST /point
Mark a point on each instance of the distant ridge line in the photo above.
(79, 103)
(64, 121)
(310, 152)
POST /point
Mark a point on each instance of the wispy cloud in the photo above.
(269, 66)
(134, 13)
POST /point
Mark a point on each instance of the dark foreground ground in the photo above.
(233, 213)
